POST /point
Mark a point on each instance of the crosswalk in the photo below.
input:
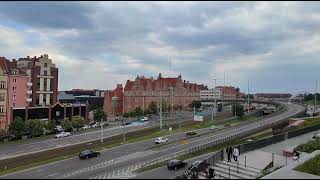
(121, 173)
(91, 168)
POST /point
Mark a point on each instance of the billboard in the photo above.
(198, 116)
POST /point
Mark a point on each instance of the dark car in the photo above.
(126, 123)
(198, 166)
(176, 164)
(190, 133)
(88, 154)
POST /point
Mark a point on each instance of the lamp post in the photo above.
(160, 106)
(101, 130)
(315, 97)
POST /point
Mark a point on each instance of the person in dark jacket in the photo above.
(229, 152)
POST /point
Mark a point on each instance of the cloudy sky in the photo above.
(276, 45)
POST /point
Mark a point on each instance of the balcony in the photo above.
(29, 92)
(29, 99)
(29, 84)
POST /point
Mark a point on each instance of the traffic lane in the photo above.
(178, 148)
(164, 173)
(125, 164)
(75, 164)
(12, 150)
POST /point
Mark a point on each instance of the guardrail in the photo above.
(211, 144)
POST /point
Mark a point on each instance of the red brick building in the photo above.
(230, 92)
(142, 91)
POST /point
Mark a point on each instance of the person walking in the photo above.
(236, 153)
(229, 153)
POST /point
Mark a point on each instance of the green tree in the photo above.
(100, 114)
(50, 126)
(126, 115)
(17, 127)
(66, 125)
(165, 106)
(152, 107)
(147, 111)
(34, 127)
(239, 109)
(196, 104)
(77, 122)
(138, 111)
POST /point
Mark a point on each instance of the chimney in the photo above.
(28, 57)
(184, 81)
(35, 57)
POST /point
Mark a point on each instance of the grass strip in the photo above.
(311, 166)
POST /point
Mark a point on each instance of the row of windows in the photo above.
(2, 108)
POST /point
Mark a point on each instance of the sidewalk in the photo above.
(260, 157)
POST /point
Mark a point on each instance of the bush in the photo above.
(77, 122)
(34, 127)
(17, 127)
(67, 125)
(309, 147)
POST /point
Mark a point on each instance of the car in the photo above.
(62, 134)
(58, 129)
(86, 127)
(86, 154)
(212, 127)
(190, 133)
(97, 124)
(176, 164)
(91, 123)
(126, 123)
(144, 119)
(104, 124)
(316, 135)
(160, 140)
(195, 165)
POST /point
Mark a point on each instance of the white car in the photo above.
(144, 119)
(160, 140)
(58, 128)
(316, 135)
(62, 134)
(85, 127)
(96, 125)
(212, 128)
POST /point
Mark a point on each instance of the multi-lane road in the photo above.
(12, 150)
(121, 161)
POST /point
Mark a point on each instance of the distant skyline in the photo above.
(98, 44)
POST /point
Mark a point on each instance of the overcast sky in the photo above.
(276, 45)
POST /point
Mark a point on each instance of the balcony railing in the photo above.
(29, 84)
(29, 92)
(29, 99)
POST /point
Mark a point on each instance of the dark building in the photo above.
(93, 101)
(66, 98)
(56, 113)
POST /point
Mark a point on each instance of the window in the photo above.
(45, 72)
(14, 97)
(2, 108)
(3, 85)
(45, 65)
(2, 97)
(14, 104)
(44, 84)
(14, 88)
(14, 80)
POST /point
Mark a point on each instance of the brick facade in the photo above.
(142, 91)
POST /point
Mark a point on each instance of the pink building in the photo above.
(14, 90)
(18, 92)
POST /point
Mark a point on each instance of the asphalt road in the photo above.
(12, 150)
(120, 161)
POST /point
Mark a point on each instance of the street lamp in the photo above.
(101, 130)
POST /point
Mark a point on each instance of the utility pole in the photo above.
(248, 97)
(315, 97)
(101, 130)
(160, 104)
(215, 98)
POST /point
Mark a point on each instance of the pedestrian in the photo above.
(229, 153)
(236, 153)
